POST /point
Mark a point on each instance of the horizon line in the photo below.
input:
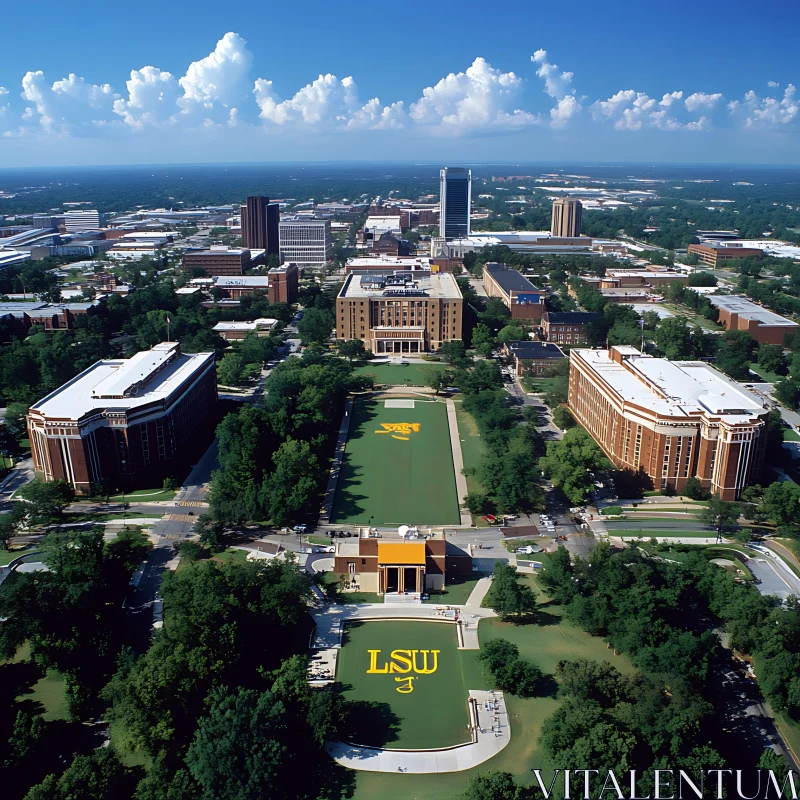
(437, 162)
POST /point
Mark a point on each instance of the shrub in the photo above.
(611, 511)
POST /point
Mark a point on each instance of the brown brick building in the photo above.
(124, 421)
(567, 327)
(218, 260)
(669, 419)
(401, 313)
(737, 313)
(401, 565)
(523, 299)
(534, 358)
(712, 255)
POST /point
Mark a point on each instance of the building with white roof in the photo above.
(671, 420)
(517, 241)
(123, 421)
(737, 313)
(234, 331)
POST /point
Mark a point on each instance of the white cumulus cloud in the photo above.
(215, 84)
(480, 97)
(324, 99)
(702, 100)
(152, 97)
(669, 98)
(764, 111)
(558, 85)
(773, 84)
(66, 103)
(630, 110)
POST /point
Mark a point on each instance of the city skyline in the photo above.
(596, 91)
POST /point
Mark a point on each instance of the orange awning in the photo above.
(401, 553)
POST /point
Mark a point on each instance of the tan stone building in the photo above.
(670, 419)
(400, 313)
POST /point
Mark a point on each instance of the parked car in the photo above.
(300, 528)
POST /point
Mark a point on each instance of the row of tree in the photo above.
(273, 456)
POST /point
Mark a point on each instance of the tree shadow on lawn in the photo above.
(370, 723)
(537, 617)
(346, 503)
(546, 686)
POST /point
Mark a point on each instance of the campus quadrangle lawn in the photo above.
(395, 481)
(545, 644)
(400, 374)
(435, 713)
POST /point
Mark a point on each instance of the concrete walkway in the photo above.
(336, 467)
(458, 462)
(330, 618)
(490, 734)
(479, 592)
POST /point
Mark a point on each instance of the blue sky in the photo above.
(263, 81)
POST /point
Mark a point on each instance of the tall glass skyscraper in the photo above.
(455, 201)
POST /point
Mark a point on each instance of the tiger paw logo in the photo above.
(404, 662)
(400, 430)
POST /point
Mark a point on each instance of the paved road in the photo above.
(548, 429)
(771, 583)
(195, 488)
(19, 476)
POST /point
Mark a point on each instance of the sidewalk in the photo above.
(479, 592)
(336, 466)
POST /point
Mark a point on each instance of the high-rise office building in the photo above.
(455, 201)
(566, 220)
(87, 219)
(306, 241)
(260, 221)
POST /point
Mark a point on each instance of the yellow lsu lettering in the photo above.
(403, 428)
(403, 662)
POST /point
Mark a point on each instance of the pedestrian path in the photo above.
(479, 592)
(336, 467)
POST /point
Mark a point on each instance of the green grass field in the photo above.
(691, 317)
(545, 644)
(434, 713)
(769, 377)
(400, 374)
(472, 446)
(395, 481)
(660, 533)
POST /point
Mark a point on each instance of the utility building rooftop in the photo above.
(399, 285)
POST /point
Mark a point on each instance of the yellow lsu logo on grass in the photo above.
(403, 662)
(400, 430)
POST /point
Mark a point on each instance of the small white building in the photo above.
(235, 331)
